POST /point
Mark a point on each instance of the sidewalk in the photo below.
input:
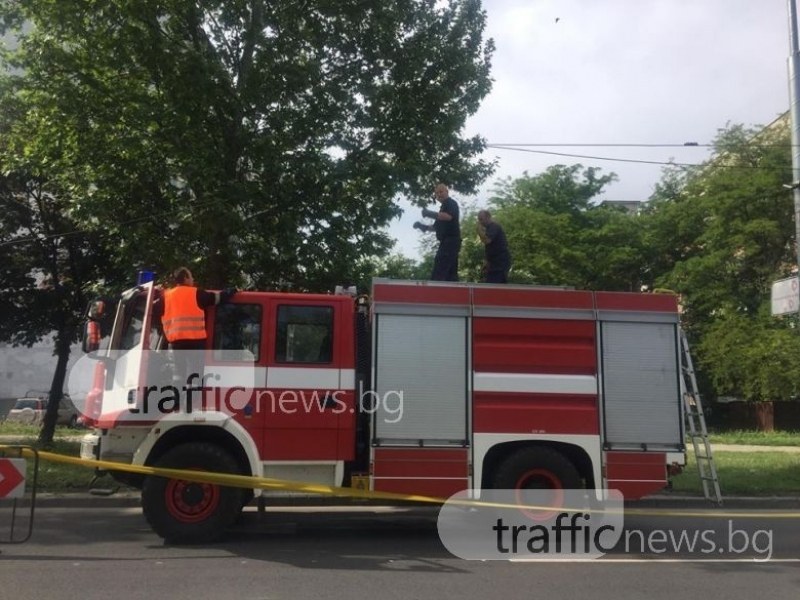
(691, 502)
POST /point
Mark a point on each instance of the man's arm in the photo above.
(487, 233)
(443, 215)
(206, 298)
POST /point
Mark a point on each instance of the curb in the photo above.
(86, 500)
(131, 498)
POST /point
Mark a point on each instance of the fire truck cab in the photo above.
(424, 388)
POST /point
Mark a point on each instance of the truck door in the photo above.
(308, 404)
(126, 372)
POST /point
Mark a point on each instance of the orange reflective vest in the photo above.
(183, 319)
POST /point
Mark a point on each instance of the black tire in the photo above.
(183, 512)
(544, 472)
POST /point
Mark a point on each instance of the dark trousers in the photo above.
(496, 276)
(445, 263)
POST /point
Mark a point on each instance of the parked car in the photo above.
(32, 407)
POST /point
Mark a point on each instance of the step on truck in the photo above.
(421, 388)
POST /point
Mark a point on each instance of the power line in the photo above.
(514, 147)
(603, 145)
(632, 160)
(632, 145)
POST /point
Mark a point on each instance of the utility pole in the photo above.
(794, 114)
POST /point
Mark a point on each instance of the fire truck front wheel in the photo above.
(187, 512)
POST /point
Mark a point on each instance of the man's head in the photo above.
(441, 192)
(182, 276)
(484, 217)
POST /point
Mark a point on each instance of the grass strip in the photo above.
(745, 474)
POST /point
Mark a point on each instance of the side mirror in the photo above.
(96, 310)
(91, 337)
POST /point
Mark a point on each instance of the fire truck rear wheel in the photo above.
(538, 468)
(187, 512)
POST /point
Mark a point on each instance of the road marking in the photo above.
(657, 560)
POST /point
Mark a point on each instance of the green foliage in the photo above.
(751, 358)
(394, 266)
(728, 233)
(719, 236)
(48, 274)
(252, 138)
(557, 235)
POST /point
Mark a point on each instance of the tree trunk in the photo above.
(63, 341)
(765, 416)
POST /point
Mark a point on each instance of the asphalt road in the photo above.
(375, 552)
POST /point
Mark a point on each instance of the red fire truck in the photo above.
(423, 387)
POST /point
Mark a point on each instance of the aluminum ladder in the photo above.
(696, 425)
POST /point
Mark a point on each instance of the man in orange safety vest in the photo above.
(183, 320)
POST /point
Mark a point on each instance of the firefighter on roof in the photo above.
(497, 261)
(448, 232)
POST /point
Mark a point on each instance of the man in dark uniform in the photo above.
(497, 260)
(448, 232)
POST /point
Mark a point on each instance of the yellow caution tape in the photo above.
(266, 483)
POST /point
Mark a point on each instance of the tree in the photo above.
(260, 143)
(49, 268)
(727, 233)
(256, 138)
(720, 235)
(394, 266)
(559, 235)
(47, 276)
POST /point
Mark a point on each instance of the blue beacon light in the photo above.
(145, 277)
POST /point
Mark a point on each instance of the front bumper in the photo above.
(90, 447)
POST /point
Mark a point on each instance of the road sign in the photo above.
(785, 296)
(12, 477)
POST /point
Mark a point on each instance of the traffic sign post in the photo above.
(13, 468)
(12, 477)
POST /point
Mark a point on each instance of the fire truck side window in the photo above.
(237, 332)
(304, 334)
(133, 321)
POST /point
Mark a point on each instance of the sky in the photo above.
(622, 72)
